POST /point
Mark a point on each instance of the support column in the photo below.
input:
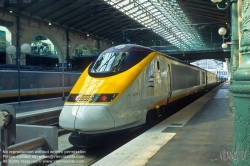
(67, 49)
(241, 92)
(234, 62)
(17, 36)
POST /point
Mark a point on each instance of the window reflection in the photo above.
(110, 62)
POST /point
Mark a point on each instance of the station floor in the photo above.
(199, 134)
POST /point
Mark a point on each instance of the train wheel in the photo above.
(163, 111)
(195, 96)
(168, 110)
(150, 118)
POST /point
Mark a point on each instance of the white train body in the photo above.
(104, 100)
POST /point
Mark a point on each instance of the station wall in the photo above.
(30, 28)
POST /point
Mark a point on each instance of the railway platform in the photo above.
(199, 134)
(36, 111)
(34, 105)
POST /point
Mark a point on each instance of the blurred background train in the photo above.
(35, 83)
(222, 75)
(124, 87)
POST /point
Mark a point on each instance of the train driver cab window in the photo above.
(110, 62)
(114, 62)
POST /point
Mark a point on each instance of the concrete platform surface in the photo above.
(199, 134)
(34, 105)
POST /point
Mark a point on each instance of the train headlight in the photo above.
(103, 97)
(73, 97)
(91, 98)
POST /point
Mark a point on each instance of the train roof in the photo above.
(135, 47)
(129, 47)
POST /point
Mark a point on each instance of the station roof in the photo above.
(165, 25)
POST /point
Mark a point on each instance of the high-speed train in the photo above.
(118, 90)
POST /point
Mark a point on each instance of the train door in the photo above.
(152, 82)
(165, 79)
(148, 90)
(150, 79)
(169, 83)
(134, 94)
(134, 100)
(206, 79)
(157, 77)
(203, 78)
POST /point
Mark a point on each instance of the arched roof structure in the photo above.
(169, 26)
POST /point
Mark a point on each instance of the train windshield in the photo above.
(110, 62)
(114, 62)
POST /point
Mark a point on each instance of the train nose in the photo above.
(86, 118)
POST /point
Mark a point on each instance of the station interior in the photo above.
(47, 47)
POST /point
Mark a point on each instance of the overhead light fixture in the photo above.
(25, 48)
(49, 23)
(11, 11)
(87, 34)
(216, 1)
(224, 45)
(222, 31)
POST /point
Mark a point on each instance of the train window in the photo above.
(110, 62)
(158, 65)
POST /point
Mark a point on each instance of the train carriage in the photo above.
(123, 84)
(35, 84)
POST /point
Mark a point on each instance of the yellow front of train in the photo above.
(97, 102)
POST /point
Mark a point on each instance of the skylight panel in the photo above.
(147, 20)
(128, 7)
(132, 9)
(143, 15)
(135, 14)
(144, 19)
(165, 17)
(123, 3)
